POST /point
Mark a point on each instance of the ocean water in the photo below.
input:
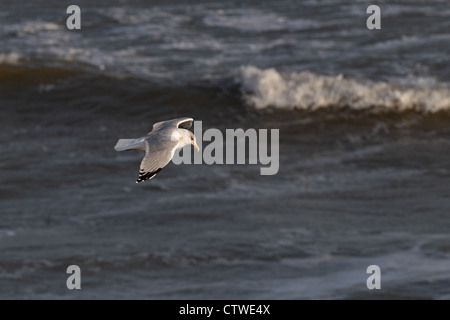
(364, 150)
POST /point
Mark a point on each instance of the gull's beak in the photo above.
(195, 146)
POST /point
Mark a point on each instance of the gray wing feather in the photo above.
(184, 123)
(130, 144)
(159, 152)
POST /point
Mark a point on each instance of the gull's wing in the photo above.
(130, 144)
(159, 152)
(184, 123)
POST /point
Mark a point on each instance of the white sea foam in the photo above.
(154, 16)
(10, 58)
(7, 233)
(305, 90)
(408, 42)
(31, 27)
(399, 270)
(255, 20)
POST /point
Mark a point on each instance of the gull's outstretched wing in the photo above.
(184, 123)
(130, 144)
(159, 152)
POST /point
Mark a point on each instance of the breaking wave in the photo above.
(263, 88)
(10, 58)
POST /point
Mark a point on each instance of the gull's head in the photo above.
(194, 142)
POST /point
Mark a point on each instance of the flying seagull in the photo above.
(160, 145)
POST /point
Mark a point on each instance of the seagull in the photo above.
(160, 145)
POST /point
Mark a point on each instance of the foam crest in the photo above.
(264, 88)
(10, 58)
(31, 27)
(255, 21)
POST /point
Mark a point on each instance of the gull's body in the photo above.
(159, 145)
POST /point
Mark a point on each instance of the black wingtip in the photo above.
(143, 176)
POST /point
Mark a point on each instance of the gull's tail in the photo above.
(130, 144)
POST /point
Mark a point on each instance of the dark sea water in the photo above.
(364, 176)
